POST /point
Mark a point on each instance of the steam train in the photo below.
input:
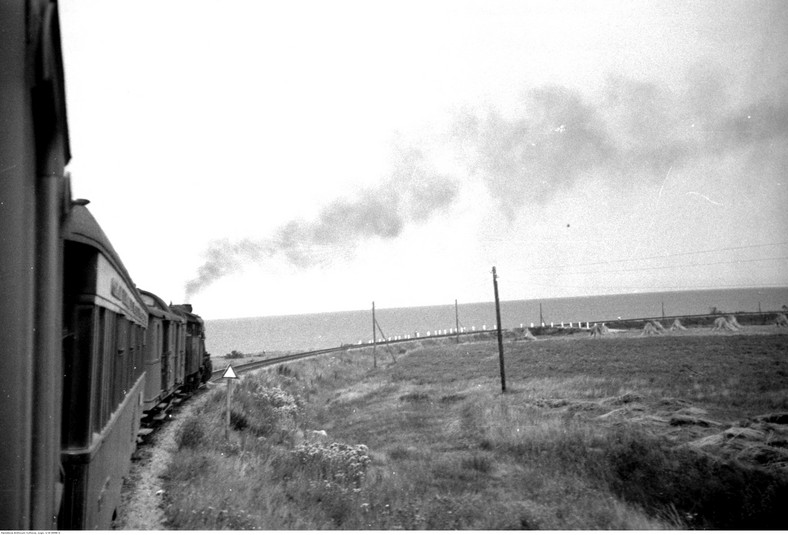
(85, 354)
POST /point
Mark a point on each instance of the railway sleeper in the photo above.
(157, 415)
(143, 434)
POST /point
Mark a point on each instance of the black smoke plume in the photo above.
(632, 132)
(412, 194)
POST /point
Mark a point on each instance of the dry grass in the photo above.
(581, 439)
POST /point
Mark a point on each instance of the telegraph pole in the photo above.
(456, 321)
(500, 337)
(374, 338)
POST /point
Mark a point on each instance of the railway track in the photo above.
(241, 368)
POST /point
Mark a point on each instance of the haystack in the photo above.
(658, 325)
(529, 335)
(677, 326)
(733, 322)
(781, 320)
(721, 324)
(599, 330)
(649, 329)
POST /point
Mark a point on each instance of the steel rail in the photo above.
(240, 368)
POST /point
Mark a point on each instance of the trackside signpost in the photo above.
(231, 377)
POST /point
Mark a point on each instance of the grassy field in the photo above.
(622, 432)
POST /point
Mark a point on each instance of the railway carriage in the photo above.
(104, 327)
(165, 329)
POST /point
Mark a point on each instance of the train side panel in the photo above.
(94, 475)
(180, 351)
(33, 153)
(195, 345)
(103, 347)
(165, 334)
(162, 350)
(153, 360)
(193, 353)
(17, 282)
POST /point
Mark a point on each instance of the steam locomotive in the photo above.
(85, 354)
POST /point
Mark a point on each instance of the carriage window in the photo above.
(131, 356)
(142, 344)
(77, 358)
(108, 356)
(119, 377)
(98, 372)
(136, 345)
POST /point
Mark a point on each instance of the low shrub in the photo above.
(452, 398)
(283, 403)
(478, 462)
(191, 433)
(342, 464)
(400, 452)
(704, 492)
(188, 466)
(415, 397)
(285, 371)
(263, 410)
(238, 421)
(457, 476)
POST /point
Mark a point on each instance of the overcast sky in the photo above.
(266, 158)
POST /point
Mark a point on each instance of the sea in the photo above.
(303, 332)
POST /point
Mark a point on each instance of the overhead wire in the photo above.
(641, 287)
(669, 255)
(556, 271)
(672, 266)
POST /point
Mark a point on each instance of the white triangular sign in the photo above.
(229, 373)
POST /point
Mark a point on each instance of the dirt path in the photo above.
(141, 495)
